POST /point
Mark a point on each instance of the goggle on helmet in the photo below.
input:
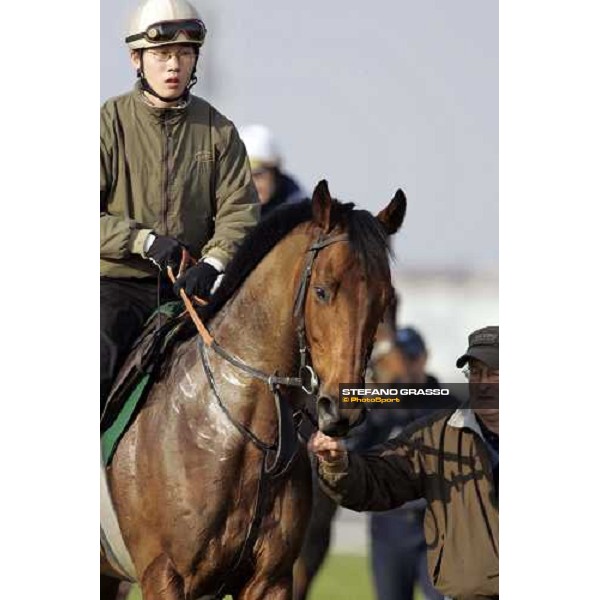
(166, 32)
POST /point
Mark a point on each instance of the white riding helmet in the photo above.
(162, 22)
(261, 146)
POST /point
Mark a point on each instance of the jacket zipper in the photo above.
(166, 153)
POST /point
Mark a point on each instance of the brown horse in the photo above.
(205, 505)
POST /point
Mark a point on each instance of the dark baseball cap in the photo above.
(484, 345)
(410, 342)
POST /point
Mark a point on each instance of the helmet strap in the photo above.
(146, 87)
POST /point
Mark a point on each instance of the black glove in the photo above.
(165, 251)
(197, 280)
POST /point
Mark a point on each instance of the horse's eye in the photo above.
(322, 294)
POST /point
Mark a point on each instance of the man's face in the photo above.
(167, 69)
(265, 181)
(415, 368)
(483, 389)
(389, 367)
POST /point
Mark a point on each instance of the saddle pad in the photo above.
(110, 438)
(139, 372)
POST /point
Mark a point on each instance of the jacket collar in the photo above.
(464, 418)
(171, 114)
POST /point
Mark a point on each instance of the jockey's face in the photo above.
(167, 69)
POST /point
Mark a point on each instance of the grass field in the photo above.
(343, 577)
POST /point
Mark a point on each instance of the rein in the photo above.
(186, 258)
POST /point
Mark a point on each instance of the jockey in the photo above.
(274, 187)
(173, 174)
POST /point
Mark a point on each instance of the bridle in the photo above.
(307, 379)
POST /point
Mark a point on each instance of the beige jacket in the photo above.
(443, 459)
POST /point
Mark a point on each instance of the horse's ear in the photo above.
(392, 216)
(321, 206)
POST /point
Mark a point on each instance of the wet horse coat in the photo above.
(184, 479)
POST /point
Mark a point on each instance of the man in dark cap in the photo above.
(481, 362)
(450, 459)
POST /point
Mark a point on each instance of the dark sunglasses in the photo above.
(193, 29)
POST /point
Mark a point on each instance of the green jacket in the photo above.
(181, 172)
(443, 459)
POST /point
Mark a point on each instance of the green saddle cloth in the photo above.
(139, 372)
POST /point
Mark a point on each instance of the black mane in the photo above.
(367, 238)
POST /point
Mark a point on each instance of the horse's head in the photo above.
(347, 293)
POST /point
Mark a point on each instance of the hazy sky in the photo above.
(370, 97)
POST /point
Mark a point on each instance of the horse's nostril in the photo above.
(330, 420)
(326, 405)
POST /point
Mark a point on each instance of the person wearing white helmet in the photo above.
(274, 187)
(165, 26)
(174, 174)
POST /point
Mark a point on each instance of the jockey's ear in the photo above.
(321, 207)
(392, 216)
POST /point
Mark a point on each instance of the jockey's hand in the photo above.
(164, 252)
(327, 449)
(198, 280)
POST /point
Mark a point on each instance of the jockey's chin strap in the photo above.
(307, 379)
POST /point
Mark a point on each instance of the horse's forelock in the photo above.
(369, 241)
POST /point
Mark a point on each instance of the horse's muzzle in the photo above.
(330, 420)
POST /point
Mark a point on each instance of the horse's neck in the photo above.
(257, 325)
